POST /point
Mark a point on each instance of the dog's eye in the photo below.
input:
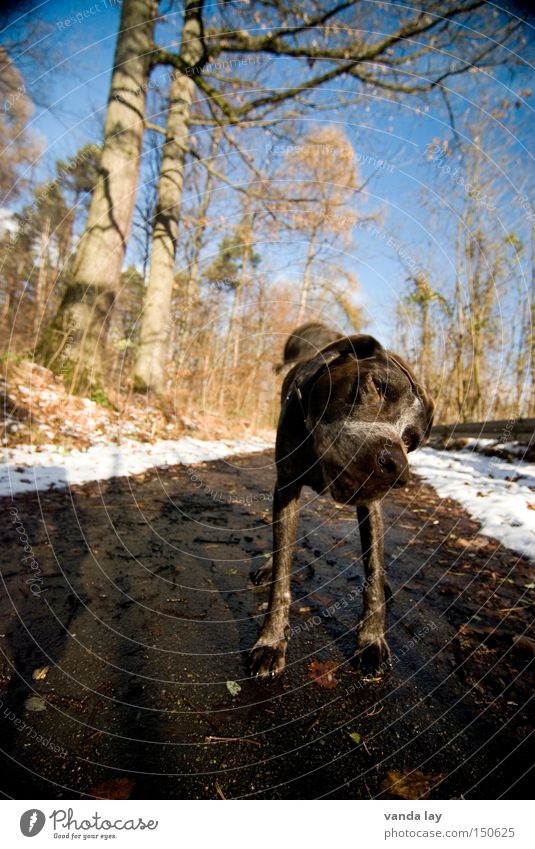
(379, 386)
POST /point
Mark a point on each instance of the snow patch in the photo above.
(26, 469)
(492, 491)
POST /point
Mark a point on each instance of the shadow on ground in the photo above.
(125, 675)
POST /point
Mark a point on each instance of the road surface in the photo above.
(126, 616)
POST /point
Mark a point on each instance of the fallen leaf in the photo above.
(355, 736)
(525, 645)
(476, 542)
(34, 703)
(323, 673)
(114, 788)
(409, 785)
(40, 674)
(233, 687)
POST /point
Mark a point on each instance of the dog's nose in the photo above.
(393, 465)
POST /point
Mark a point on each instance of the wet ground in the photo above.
(124, 665)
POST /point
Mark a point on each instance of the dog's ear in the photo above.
(358, 347)
(361, 346)
(418, 388)
(304, 375)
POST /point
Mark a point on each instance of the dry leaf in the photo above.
(40, 674)
(355, 736)
(34, 703)
(114, 788)
(525, 645)
(233, 687)
(409, 785)
(323, 673)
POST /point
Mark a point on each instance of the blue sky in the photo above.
(81, 44)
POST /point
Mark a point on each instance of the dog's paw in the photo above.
(372, 655)
(267, 660)
(263, 574)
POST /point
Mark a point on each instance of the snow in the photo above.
(26, 469)
(492, 491)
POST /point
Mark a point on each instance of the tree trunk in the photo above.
(192, 293)
(225, 365)
(150, 363)
(426, 345)
(531, 402)
(306, 280)
(459, 334)
(85, 309)
(42, 277)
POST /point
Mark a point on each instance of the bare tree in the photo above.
(83, 315)
(412, 59)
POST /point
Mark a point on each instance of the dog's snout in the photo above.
(393, 465)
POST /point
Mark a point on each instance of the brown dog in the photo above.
(350, 414)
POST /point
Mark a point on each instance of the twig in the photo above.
(212, 739)
(318, 718)
(200, 713)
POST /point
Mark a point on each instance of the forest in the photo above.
(205, 594)
(243, 168)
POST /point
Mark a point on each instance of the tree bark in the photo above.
(305, 289)
(531, 400)
(90, 292)
(192, 293)
(42, 277)
(150, 362)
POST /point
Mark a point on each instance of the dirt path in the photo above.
(145, 611)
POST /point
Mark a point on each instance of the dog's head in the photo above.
(365, 411)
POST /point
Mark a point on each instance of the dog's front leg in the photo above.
(269, 652)
(372, 652)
